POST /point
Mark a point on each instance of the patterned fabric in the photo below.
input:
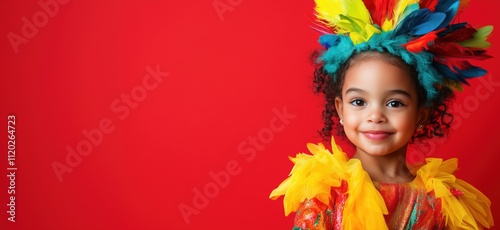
(315, 215)
(410, 207)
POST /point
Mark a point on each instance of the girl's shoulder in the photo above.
(314, 175)
(463, 205)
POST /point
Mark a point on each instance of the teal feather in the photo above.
(341, 49)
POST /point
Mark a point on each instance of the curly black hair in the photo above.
(439, 119)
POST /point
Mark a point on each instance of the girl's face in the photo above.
(379, 107)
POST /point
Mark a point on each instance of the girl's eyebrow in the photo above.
(355, 90)
(390, 92)
(399, 91)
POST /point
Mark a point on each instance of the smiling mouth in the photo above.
(376, 135)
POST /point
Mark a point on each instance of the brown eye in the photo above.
(358, 102)
(395, 104)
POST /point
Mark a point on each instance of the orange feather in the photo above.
(422, 43)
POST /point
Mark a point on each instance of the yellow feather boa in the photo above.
(468, 208)
(314, 175)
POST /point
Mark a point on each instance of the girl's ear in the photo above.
(339, 107)
(423, 115)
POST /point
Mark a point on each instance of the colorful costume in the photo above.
(330, 191)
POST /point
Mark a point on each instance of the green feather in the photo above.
(479, 40)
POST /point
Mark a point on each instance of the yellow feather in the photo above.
(314, 175)
(368, 208)
(346, 17)
(476, 202)
(471, 210)
(399, 10)
(311, 176)
(387, 25)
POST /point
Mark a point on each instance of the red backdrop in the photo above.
(156, 115)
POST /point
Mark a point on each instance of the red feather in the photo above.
(459, 35)
(380, 10)
(430, 4)
(370, 5)
(422, 43)
(454, 62)
(454, 50)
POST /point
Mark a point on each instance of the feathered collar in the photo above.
(314, 175)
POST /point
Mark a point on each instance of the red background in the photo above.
(229, 72)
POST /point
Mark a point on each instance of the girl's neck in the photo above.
(390, 168)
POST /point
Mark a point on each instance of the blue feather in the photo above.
(450, 8)
(329, 40)
(420, 22)
(472, 72)
(458, 74)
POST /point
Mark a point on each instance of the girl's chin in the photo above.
(378, 154)
(382, 150)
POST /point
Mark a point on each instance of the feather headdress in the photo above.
(420, 32)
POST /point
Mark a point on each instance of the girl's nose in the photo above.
(376, 115)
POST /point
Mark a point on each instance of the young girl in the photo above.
(388, 74)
